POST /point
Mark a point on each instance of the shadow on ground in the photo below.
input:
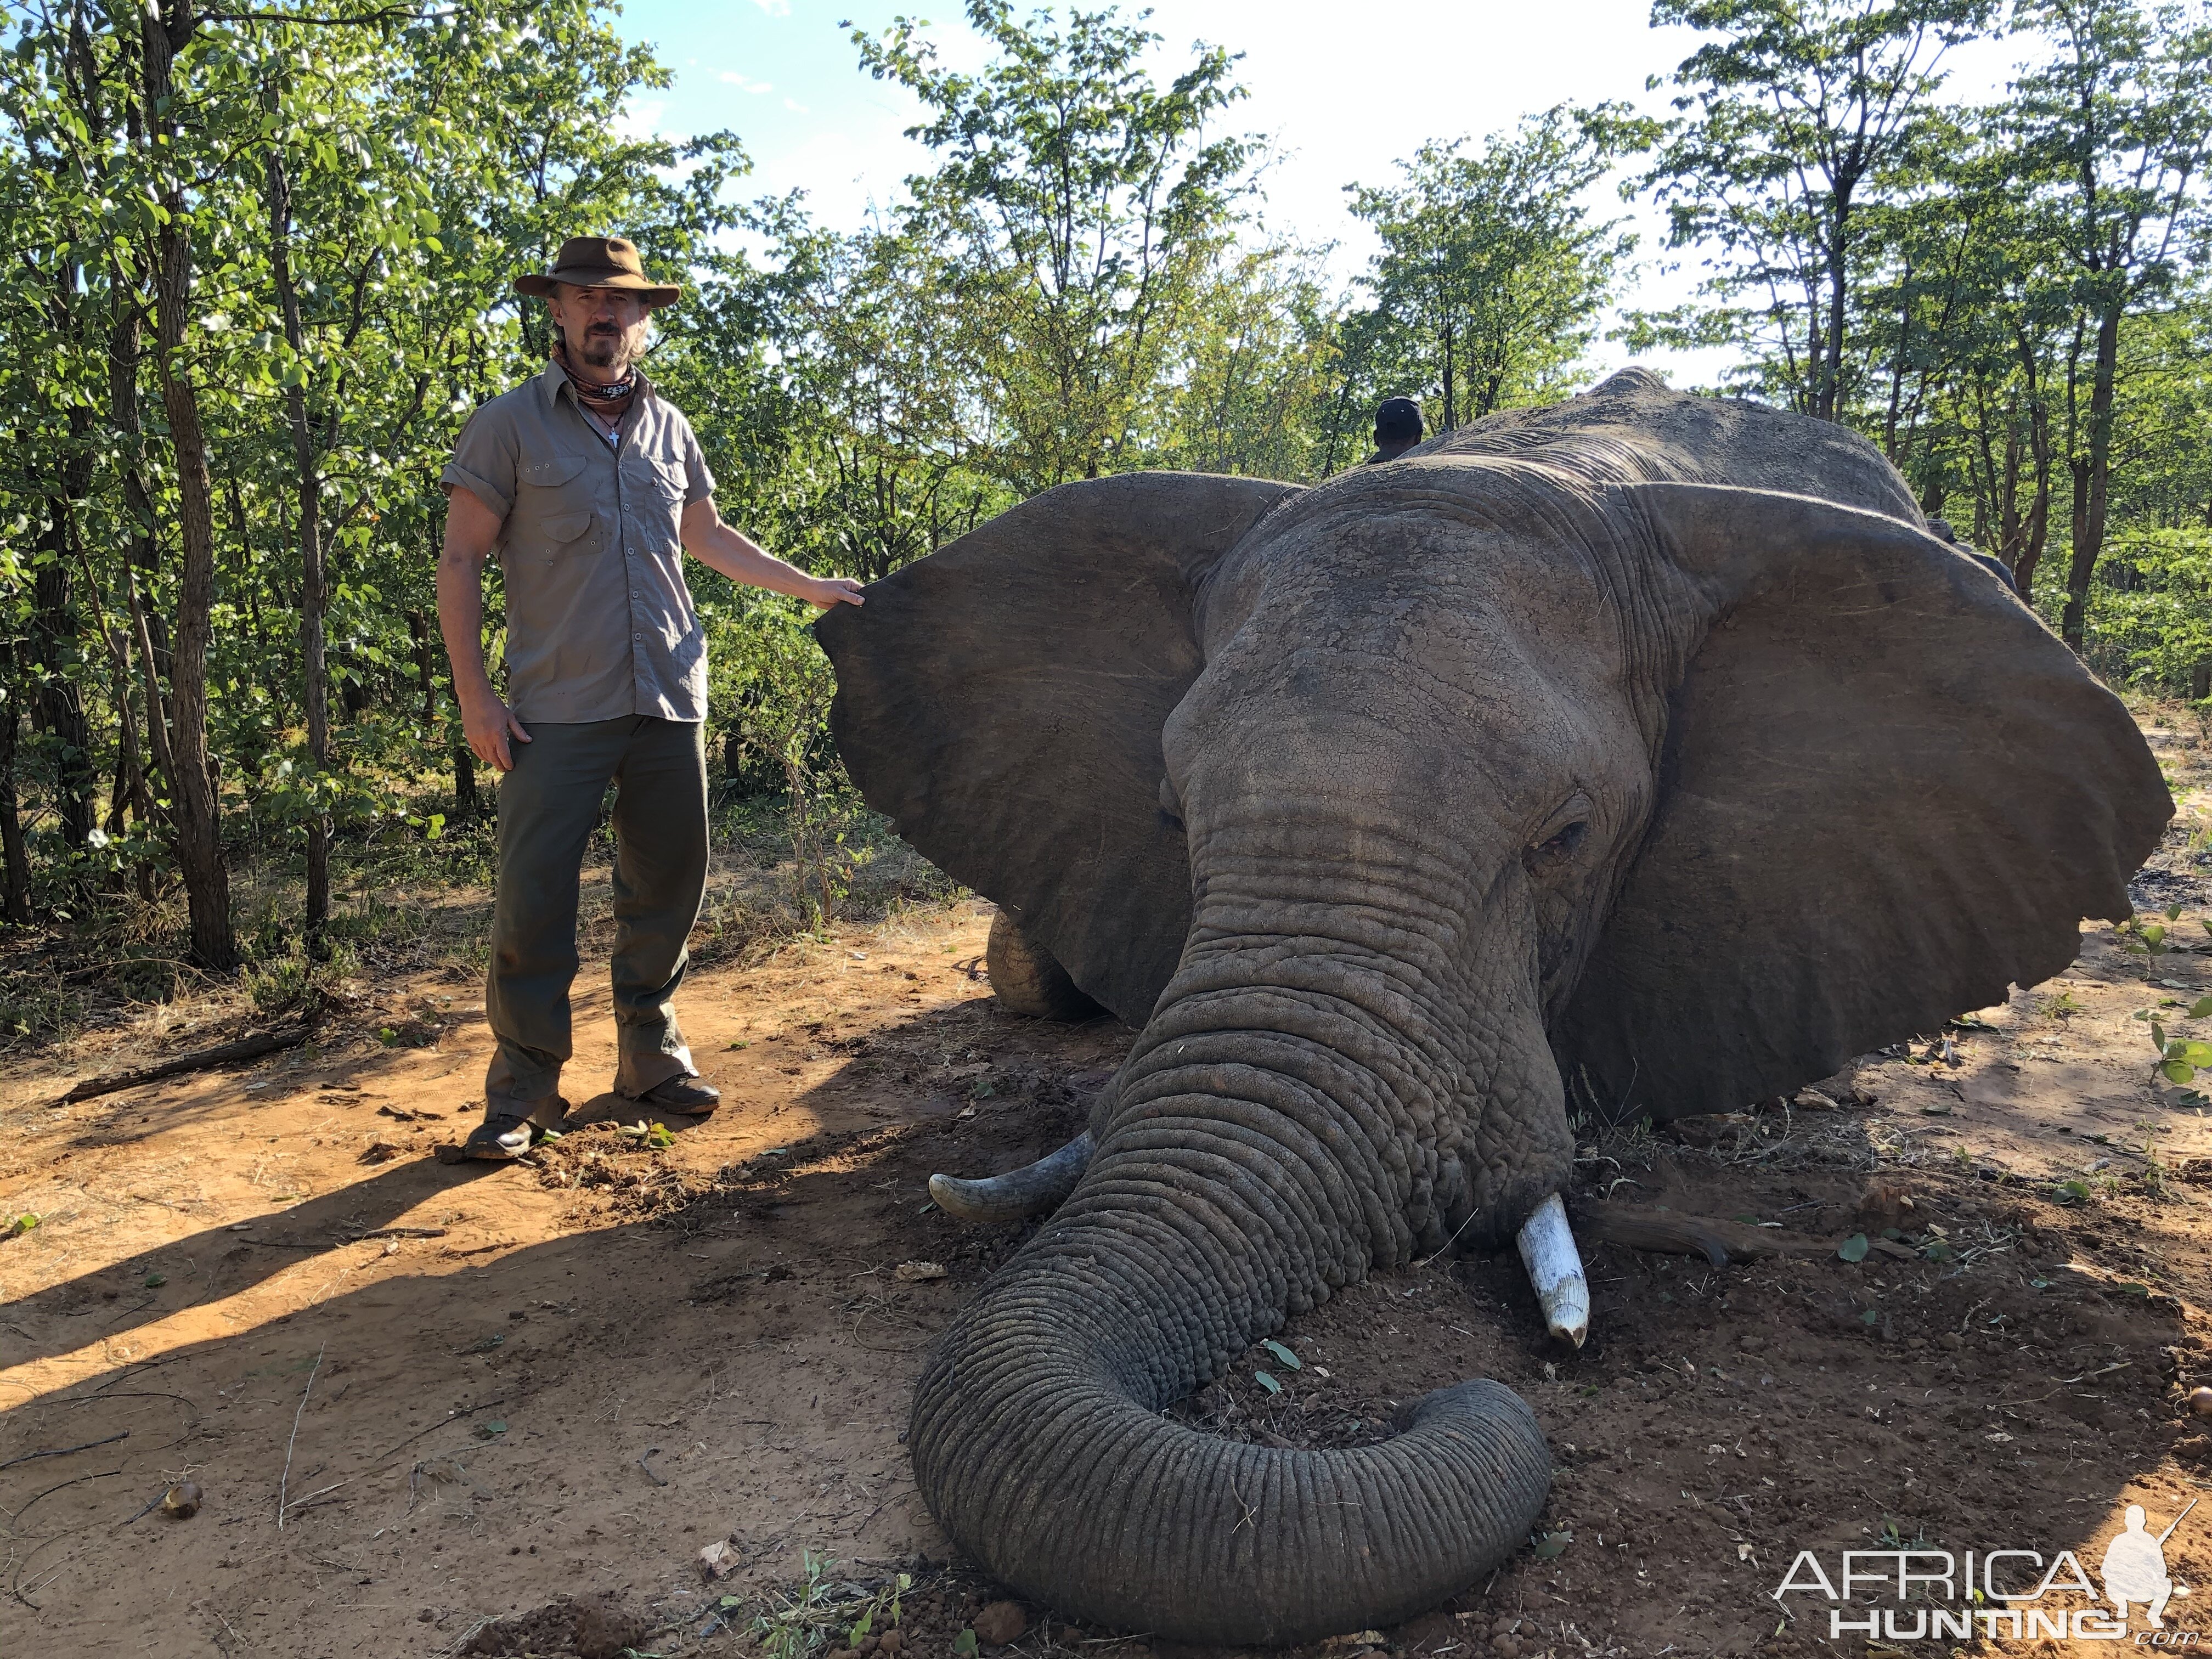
(468, 1439)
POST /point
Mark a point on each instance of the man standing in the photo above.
(592, 486)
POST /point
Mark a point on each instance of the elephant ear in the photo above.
(1885, 794)
(1001, 702)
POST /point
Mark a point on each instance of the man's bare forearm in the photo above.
(460, 620)
(472, 532)
(737, 557)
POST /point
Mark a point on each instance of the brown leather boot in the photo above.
(692, 1097)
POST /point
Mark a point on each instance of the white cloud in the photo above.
(793, 103)
(774, 7)
(732, 78)
(641, 118)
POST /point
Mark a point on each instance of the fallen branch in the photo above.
(63, 1451)
(251, 1046)
(2065, 1382)
(453, 1416)
(284, 1480)
(299, 1503)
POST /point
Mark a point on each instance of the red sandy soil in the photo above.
(482, 1389)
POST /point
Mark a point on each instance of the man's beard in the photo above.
(604, 347)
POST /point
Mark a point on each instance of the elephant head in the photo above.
(1642, 756)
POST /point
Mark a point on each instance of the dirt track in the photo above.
(525, 1382)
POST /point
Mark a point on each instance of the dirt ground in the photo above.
(420, 1397)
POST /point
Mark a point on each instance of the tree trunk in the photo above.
(2091, 473)
(192, 787)
(425, 666)
(130, 754)
(13, 853)
(61, 699)
(1451, 406)
(2037, 534)
(313, 595)
(2200, 681)
(157, 720)
(466, 803)
(1827, 387)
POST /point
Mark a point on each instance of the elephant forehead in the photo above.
(1411, 561)
(1411, 606)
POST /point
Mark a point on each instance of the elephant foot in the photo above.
(1555, 1269)
(1026, 979)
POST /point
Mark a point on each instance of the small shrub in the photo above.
(36, 1008)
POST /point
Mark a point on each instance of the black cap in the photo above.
(1397, 418)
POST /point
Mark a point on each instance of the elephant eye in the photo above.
(1556, 849)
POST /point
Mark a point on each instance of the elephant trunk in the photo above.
(1227, 1193)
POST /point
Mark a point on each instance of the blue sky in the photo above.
(1341, 100)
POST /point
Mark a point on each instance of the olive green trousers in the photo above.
(549, 806)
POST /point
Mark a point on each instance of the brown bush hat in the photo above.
(600, 262)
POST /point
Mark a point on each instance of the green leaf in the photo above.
(963, 1645)
(1267, 1383)
(1937, 1250)
(1871, 1317)
(2200, 1009)
(22, 1223)
(2179, 1071)
(2157, 1035)
(1854, 1248)
(154, 1281)
(2198, 1055)
(1552, 1545)
(1284, 1354)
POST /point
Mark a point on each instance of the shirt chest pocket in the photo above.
(563, 528)
(663, 481)
(556, 508)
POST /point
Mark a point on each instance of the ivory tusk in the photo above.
(1555, 1268)
(1030, 1190)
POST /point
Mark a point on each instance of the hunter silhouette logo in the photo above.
(1935, 1593)
(2134, 1567)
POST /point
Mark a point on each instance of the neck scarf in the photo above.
(595, 394)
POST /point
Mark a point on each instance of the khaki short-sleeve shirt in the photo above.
(599, 622)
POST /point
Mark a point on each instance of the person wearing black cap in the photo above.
(1397, 429)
